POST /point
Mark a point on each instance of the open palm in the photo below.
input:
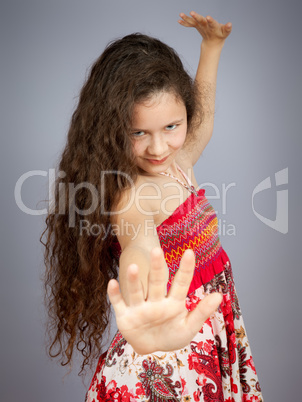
(160, 321)
(208, 27)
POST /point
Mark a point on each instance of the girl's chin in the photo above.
(146, 171)
(154, 168)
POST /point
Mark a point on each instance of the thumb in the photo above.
(204, 309)
(227, 28)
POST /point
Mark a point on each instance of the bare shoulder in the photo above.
(134, 215)
(139, 198)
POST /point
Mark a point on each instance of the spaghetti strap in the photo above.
(186, 177)
(189, 186)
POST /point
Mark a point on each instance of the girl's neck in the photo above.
(172, 169)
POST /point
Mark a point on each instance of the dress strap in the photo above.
(188, 186)
(186, 177)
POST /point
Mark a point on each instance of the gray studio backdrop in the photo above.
(47, 48)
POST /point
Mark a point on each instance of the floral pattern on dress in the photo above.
(217, 365)
(157, 381)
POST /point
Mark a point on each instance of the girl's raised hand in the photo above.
(211, 30)
(161, 322)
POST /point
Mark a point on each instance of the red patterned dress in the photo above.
(217, 365)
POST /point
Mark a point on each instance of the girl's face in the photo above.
(159, 128)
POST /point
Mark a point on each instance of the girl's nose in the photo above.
(157, 146)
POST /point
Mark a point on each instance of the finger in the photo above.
(134, 286)
(186, 20)
(115, 297)
(183, 277)
(212, 23)
(199, 18)
(184, 24)
(203, 311)
(227, 28)
(209, 19)
(157, 281)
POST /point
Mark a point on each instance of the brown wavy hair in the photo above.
(80, 262)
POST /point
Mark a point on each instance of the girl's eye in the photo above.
(171, 127)
(138, 134)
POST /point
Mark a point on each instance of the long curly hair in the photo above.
(96, 166)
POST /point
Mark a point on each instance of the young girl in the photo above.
(127, 203)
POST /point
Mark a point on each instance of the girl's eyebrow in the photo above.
(169, 124)
(175, 122)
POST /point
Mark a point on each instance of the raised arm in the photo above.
(214, 35)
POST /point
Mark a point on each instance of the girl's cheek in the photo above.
(134, 146)
(139, 146)
(181, 139)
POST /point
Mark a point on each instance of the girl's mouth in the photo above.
(158, 161)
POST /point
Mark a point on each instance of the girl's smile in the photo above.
(158, 161)
(159, 129)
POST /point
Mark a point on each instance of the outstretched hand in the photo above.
(211, 30)
(160, 321)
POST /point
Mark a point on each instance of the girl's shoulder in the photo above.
(142, 197)
(155, 196)
(147, 191)
(145, 199)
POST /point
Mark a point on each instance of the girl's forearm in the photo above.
(206, 78)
